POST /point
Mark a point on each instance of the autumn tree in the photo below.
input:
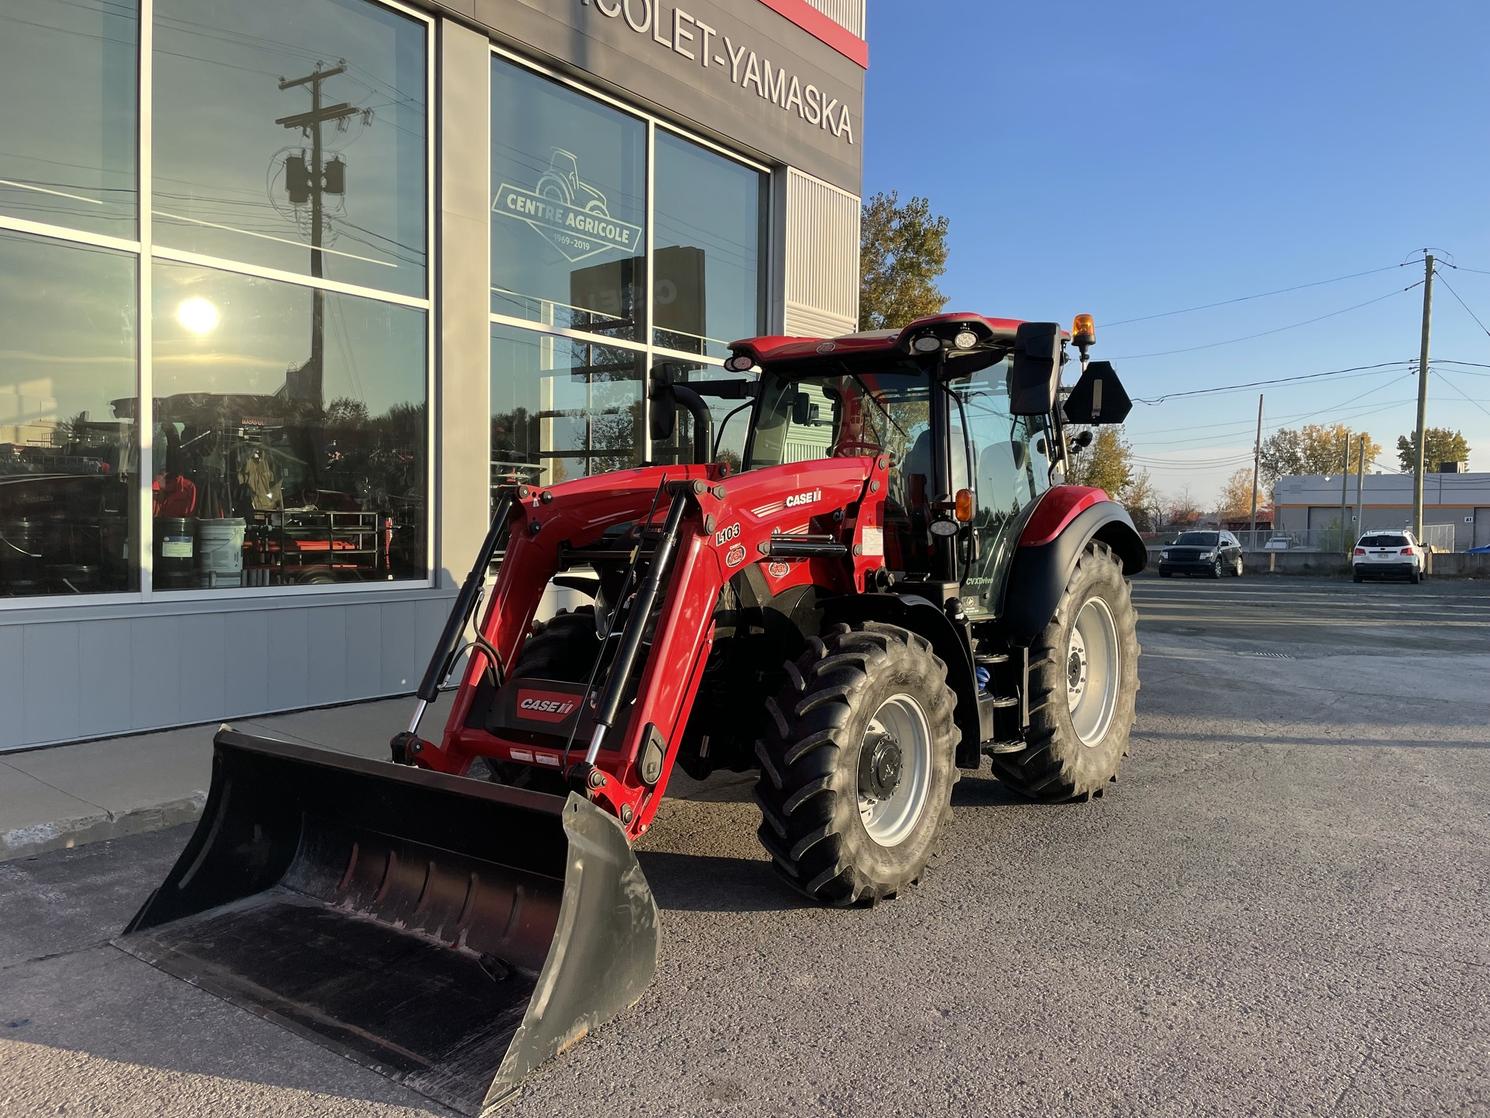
(902, 253)
(1143, 503)
(1440, 445)
(1107, 463)
(1315, 448)
(1237, 495)
(1180, 508)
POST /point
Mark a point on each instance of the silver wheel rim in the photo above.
(889, 820)
(1092, 671)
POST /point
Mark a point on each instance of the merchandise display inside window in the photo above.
(69, 451)
(568, 212)
(290, 434)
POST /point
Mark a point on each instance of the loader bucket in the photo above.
(449, 933)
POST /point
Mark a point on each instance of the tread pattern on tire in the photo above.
(809, 798)
(1045, 769)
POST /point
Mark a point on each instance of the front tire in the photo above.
(857, 764)
(1083, 683)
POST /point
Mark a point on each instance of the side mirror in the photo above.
(1099, 397)
(1035, 375)
(662, 415)
(804, 411)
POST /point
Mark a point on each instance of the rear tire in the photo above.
(1237, 573)
(1414, 578)
(1074, 748)
(857, 764)
(1357, 578)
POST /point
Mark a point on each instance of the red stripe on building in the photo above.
(820, 27)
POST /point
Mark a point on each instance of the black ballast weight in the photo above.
(449, 933)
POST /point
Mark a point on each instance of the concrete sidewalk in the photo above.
(68, 795)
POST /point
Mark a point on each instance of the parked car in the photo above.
(1278, 541)
(1394, 554)
(1202, 553)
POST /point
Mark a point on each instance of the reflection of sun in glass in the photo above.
(197, 314)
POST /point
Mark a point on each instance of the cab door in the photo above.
(1008, 462)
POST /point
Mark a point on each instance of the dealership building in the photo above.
(287, 287)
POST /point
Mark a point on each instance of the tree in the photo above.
(1180, 509)
(1237, 495)
(902, 252)
(1107, 464)
(1143, 503)
(1315, 448)
(1440, 445)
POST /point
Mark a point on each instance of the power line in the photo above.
(1248, 298)
(1444, 280)
(1354, 369)
(1274, 330)
(1456, 388)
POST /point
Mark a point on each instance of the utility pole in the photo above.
(1360, 480)
(1417, 455)
(1346, 538)
(311, 373)
(1256, 465)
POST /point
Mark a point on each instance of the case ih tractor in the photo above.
(894, 585)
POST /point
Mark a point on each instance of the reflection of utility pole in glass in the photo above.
(308, 182)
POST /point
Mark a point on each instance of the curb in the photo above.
(62, 834)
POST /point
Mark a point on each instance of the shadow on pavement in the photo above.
(699, 883)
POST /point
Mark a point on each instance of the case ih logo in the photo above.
(568, 212)
(810, 497)
(545, 706)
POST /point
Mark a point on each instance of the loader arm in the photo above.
(804, 523)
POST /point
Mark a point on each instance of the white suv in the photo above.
(1384, 554)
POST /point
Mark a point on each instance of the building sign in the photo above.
(729, 60)
(568, 212)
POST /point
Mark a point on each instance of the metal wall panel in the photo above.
(848, 14)
(821, 295)
(64, 678)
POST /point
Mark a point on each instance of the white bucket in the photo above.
(220, 552)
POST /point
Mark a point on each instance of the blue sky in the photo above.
(1136, 158)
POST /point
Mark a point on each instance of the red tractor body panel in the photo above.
(730, 526)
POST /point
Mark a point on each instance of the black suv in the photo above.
(1202, 553)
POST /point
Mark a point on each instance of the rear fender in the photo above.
(1052, 542)
(949, 641)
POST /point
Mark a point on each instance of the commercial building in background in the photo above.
(1456, 506)
(287, 286)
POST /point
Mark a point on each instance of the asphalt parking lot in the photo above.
(1280, 908)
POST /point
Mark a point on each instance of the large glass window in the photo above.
(707, 253)
(569, 252)
(568, 177)
(68, 84)
(562, 408)
(291, 134)
(290, 433)
(69, 481)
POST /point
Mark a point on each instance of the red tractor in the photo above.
(894, 585)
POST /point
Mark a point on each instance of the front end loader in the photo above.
(895, 584)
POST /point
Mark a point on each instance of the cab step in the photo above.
(992, 747)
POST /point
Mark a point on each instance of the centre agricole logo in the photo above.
(568, 212)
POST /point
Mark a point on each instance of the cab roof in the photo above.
(775, 348)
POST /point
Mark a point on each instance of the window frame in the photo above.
(651, 353)
(145, 253)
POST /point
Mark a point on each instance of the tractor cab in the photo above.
(961, 407)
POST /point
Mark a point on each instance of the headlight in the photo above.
(1163, 555)
(1207, 554)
